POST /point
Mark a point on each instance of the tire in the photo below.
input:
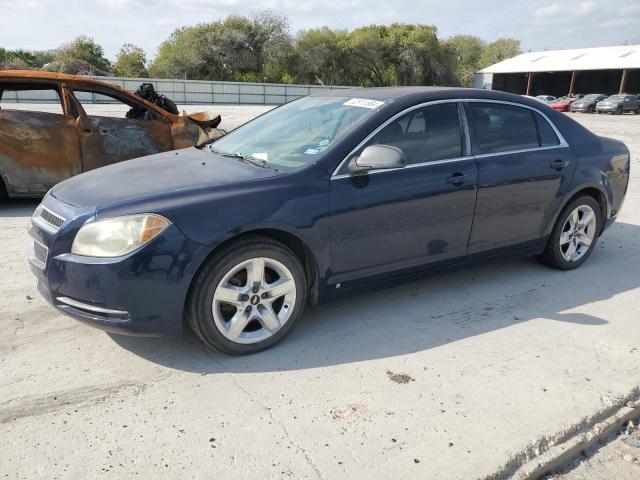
(211, 316)
(555, 254)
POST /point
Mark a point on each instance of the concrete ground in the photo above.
(460, 375)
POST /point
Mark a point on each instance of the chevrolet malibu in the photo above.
(318, 198)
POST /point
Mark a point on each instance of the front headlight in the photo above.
(114, 237)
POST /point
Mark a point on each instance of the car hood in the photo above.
(176, 171)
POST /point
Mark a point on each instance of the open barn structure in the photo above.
(606, 70)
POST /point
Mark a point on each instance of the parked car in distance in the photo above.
(587, 104)
(41, 147)
(380, 185)
(545, 98)
(562, 104)
(618, 104)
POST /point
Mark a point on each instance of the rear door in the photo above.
(406, 218)
(524, 167)
(107, 136)
(39, 144)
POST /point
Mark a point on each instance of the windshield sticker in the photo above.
(311, 151)
(261, 156)
(363, 103)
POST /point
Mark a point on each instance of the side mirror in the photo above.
(378, 157)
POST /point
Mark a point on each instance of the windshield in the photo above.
(296, 134)
(616, 98)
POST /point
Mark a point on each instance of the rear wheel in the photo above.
(574, 235)
(248, 296)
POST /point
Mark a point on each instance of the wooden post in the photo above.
(573, 83)
(529, 82)
(623, 81)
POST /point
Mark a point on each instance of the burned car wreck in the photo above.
(41, 147)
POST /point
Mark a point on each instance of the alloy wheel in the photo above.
(578, 233)
(254, 300)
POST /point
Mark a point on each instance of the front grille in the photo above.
(47, 220)
(38, 255)
(40, 251)
(50, 217)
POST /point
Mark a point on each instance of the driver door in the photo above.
(406, 218)
(107, 137)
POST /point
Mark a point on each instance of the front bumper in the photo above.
(142, 293)
(607, 109)
(585, 109)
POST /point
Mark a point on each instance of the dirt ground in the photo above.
(459, 375)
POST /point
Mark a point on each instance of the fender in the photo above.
(317, 260)
(603, 188)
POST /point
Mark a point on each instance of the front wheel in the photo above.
(574, 235)
(248, 296)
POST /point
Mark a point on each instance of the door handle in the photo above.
(559, 164)
(458, 179)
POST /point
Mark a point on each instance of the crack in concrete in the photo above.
(316, 469)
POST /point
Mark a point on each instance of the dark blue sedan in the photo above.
(319, 197)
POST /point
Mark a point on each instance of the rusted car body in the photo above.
(39, 149)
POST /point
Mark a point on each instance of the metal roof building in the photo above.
(605, 70)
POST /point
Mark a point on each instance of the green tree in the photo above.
(320, 57)
(418, 57)
(131, 62)
(82, 55)
(369, 52)
(499, 50)
(467, 52)
(254, 48)
(42, 57)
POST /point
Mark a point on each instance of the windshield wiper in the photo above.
(259, 162)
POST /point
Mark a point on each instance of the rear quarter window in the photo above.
(548, 137)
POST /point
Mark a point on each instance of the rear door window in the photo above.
(502, 128)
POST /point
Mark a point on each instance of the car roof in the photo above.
(425, 94)
(51, 76)
(384, 93)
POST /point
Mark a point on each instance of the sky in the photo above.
(538, 24)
